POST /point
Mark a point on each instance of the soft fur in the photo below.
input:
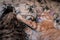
(44, 30)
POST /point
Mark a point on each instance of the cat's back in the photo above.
(51, 34)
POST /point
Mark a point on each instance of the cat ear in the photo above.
(52, 12)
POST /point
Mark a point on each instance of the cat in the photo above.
(47, 29)
(44, 30)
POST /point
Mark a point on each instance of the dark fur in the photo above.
(10, 27)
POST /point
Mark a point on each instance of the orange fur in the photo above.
(46, 25)
(46, 28)
(48, 31)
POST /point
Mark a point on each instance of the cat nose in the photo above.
(57, 21)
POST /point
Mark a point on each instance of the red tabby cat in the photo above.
(45, 29)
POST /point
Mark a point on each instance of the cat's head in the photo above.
(46, 15)
(47, 21)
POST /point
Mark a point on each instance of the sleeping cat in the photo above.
(44, 30)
